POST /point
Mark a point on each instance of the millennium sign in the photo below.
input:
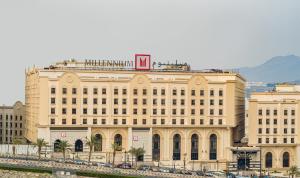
(109, 63)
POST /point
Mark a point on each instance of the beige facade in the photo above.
(12, 120)
(273, 126)
(179, 117)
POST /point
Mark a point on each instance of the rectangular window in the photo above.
(174, 92)
(116, 101)
(103, 121)
(284, 140)
(193, 92)
(182, 111)
(220, 112)
(201, 102)
(94, 121)
(95, 91)
(285, 121)
(174, 101)
(103, 91)
(135, 101)
(275, 121)
(73, 100)
(144, 121)
(84, 111)
(135, 91)
(115, 121)
(144, 111)
(52, 121)
(260, 112)
(64, 121)
(275, 112)
(220, 102)
(201, 112)
(220, 121)
(293, 130)
(135, 111)
(64, 91)
(182, 102)
(260, 130)
(154, 91)
(163, 111)
(116, 91)
(220, 92)
(267, 130)
(267, 112)
(144, 101)
(162, 121)
(211, 121)
(115, 111)
(73, 111)
(154, 121)
(124, 91)
(64, 100)
(103, 100)
(73, 121)
(267, 140)
(52, 100)
(95, 111)
(293, 112)
(274, 140)
(292, 140)
(95, 101)
(192, 111)
(182, 92)
(154, 101)
(285, 131)
(193, 121)
(201, 121)
(85, 91)
(53, 90)
(154, 111)
(103, 111)
(124, 101)
(182, 121)
(268, 121)
(123, 121)
(85, 101)
(135, 121)
(144, 91)
(174, 111)
(211, 111)
(201, 92)
(52, 111)
(293, 121)
(259, 140)
(74, 91)
(124, 111)
(84, 121)
(173, 121)
(163, 92)
(211, 92)
(163, 102)
(275, 130)
(285, 112)
(193, 102)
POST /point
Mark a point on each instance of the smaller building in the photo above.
(273, 126)
(12, 120)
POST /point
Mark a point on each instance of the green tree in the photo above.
(15, 142)
(63, 147)
(40, 143)
(293, 171)
(115, 147)
(136, 152)
(91, 143)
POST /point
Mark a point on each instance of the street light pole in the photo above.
(260, 173)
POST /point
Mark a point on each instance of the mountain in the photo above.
(277, 69)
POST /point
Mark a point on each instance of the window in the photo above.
(201, 121)
(211, 111)
(144, 121)
(116, 101)
(98, 142)
(118, 140)
(84, 100)
(174, 92)
(274, 140)
(154, 121)
(116, 91)
(220, 112)
(73, 110)
(201, 102)
(144, 101)
(85, 91)
(163, 111)
(201, 112)
(201, 92)
(268, 121)
(64, 100)
(135, 101)
(52, 121)
(144, 91)
(144, 111)
(192, 111)
(154, 91)
(286, 159)
(293, 112)
(182, 102)
(267, 140)
(154, 102)
(182, 111)
(275, 130)
(115, 121)
(135, 121)
(267, 130)
(163, 92)
(284, 140)
(220, 121)
(182, 92)
(74, 91)
(115, 111)
(259, 140)
(260, 130)
(103, 121)
(275, 112)
(182, 121)
(52, 111)
(124, 101)
(285, 121)
(162, 121)
(124, 91)
(176, 147)
(64, 121)
(220, 92)
(267, 112)
(103, 111)
(95, 111)
(73, 100)
(163, 102)
(292, 140)
(154, 111)
(193, 102)
(292, 130)
(64, 91)
(95, 91)
(220, 102)
(285, 112)
(135, 91)
(174, 102)
(53, 90)
(174, 121)
(95, 101)
(211, 121)
(211, 92)
(268, 160)
(52, 100)
(193, 121)
(285, 130)
(84, 111)
(260, 112)
(73, 121)
(211, 102)
(123, 121)
(194, 147)
(174, 111)
(293, 121)
(124, 111)
(213, 147)
(103, 100)
(275, 121)
(193, 93)
(94, 121)
(64, 111)
(135, 111)
(103, 91)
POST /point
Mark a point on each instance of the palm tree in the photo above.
(91, 143)
(15, 142)
(293, 170)
(63, 147)
(40, 143)
(136, 152)
(115, 147)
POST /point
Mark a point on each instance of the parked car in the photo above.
(154, 169)
(200, 173)
(164, 170)
(186, 172)
(101, 164)
(124, 166)
(144, 168)
(79, 162)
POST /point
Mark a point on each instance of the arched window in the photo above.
(56, 145)
(156, 147)
(213, 147)
(269, 160)
(176, 147)
(118, 140)
(194, 147)
(286, 159)
(78, 146)
(98, 143)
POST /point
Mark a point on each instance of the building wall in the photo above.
(109, 118)
(273, 125)
(12, 122)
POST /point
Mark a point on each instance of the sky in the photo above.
(203, 33)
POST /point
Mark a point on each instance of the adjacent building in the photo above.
(179, 116)
(12, 121)
(274, 126)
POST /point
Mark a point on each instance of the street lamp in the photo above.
(184, 159)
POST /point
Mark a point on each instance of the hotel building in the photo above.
(12, 120)
(179, 116)
(273, 126)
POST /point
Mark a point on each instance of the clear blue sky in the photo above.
(205, 33)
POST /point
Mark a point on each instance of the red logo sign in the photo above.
(142, 62)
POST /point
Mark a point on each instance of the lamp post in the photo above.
(260, 153)
(184, 160)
